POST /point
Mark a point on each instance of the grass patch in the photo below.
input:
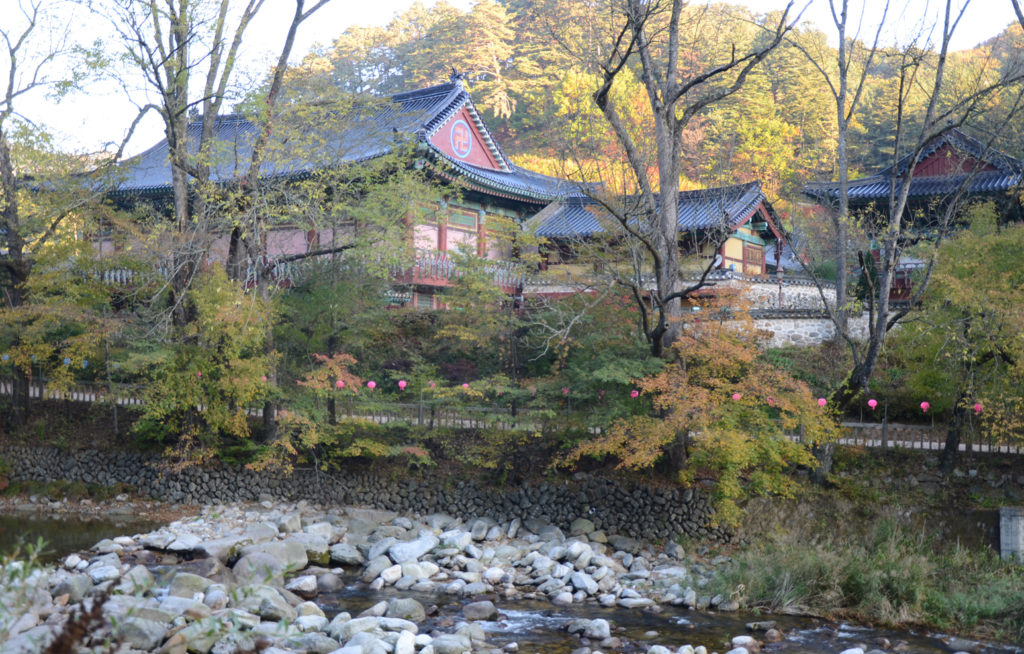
(891, 576)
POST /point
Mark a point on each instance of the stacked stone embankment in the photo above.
(618, 507)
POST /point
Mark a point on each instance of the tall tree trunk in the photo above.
(953, 435)
(270, 406)
(21, 399)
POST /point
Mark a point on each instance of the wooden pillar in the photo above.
(442, 227)
(481, 234)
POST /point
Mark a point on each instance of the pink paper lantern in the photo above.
(340, 384)
(371, 384)
(822, 402)
(977, 408)
(925, 406)
(872, 403)
(736, 397)
(634, 394)
(402, 384)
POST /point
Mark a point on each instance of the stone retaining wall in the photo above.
(617, 508)
(807, 330)
(770, 294)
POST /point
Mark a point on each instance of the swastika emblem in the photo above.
(461, 139)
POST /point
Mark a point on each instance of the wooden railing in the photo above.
(433, 414)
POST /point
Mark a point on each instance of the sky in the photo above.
(95, 119)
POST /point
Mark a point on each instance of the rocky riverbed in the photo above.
(269, 576)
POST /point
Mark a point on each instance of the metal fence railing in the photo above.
(434, 414)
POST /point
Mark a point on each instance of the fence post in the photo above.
(885, 425)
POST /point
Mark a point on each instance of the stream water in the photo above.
(536, 626)
(540, 627)
(61, 536)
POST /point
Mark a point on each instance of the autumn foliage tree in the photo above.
(722, 413)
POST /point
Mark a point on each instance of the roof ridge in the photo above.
(436, 89)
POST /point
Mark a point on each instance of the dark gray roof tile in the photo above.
(581, 216)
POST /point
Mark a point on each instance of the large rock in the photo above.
(75, 586)
(158, 540)
(334, 628)
(263, 601)
(101, 573)
(291, 523)
(391, 574)
(258, 568)
(186, 606)
(233, 643)
(380, 547)
(451, 644)
(456, 539)
(261, 532)
(480, 611)
(375, 567)
(186, 584)
(137, 580)
(304, 586)
(598, 629)
(317, 548)
(346, 554)
(324, 530)
(412, 550)
(624, 543)
(584, 582)
(226, 548)
(290, 553)
(185, 543)
(581, 527)
(202, 635)
(141, 634)
(407, 609)
(311, 643)
(346, 630)
(406, 643)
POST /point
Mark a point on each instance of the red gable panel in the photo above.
(459, 139)
(948, 161)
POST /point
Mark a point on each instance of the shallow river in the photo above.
(540, 626)
(535, 626)
(64, 535)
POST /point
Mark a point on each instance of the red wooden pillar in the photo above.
(442, 227)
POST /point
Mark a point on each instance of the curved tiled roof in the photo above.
(516, 182)
(581, 216)
(417, 114)
(1007, 173)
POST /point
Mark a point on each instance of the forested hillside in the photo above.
(531, 65)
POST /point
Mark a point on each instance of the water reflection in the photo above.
(65, 534)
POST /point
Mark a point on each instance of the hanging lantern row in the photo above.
(872, 403)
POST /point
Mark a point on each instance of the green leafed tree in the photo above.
(49, 201)
(967, 348)
(200, 397)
